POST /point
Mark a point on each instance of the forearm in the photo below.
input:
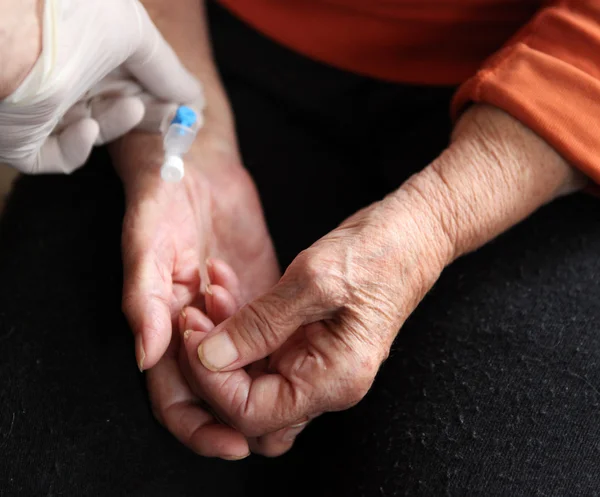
(20, 41)
(184, 25)
(495, 174)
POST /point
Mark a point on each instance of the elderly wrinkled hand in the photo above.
(325, 327)
(316, 339)
(169, 231)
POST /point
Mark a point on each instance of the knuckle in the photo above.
(358, 390)
(246, 427)
(320, 278)
(360, 375)
(308, 265)
(248, 424)
(370, 367)
(250, 417)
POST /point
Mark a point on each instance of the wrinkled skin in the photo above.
(327, 325)
(316, 340)
(169, 231)
(282, 352)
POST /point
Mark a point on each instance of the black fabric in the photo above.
(493, 385)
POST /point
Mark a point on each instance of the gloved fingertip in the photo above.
(116, 117)
(88, 131)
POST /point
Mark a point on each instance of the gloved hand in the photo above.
(67, 104)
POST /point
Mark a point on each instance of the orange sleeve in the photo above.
(548, 77)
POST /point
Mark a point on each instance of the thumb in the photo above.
(146, 297)
(256, 330)
(156, 66)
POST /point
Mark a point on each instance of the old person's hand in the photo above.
(325, 328)
(168, 233)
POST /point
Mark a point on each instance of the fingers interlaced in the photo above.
(238, 398)
(315, 372)
(194, 321)
(255, 402)
(255, 331)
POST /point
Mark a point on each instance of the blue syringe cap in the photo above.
(185, 116)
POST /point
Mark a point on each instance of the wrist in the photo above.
(138, 157)
(20, 41)
(495, 173)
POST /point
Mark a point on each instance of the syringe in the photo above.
(178, 140)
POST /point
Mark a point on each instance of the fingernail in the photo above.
(218, 352)
(293, 432)
(183, 314)
(140, 352)
(235, 458)
(187, 334)
(303, 422)
(201, 323)
(208, 290)
(208, 262)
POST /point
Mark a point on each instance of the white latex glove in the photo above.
(67, 104)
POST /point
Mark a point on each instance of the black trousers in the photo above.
(492, 387)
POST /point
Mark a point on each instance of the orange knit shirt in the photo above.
(538, 60)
